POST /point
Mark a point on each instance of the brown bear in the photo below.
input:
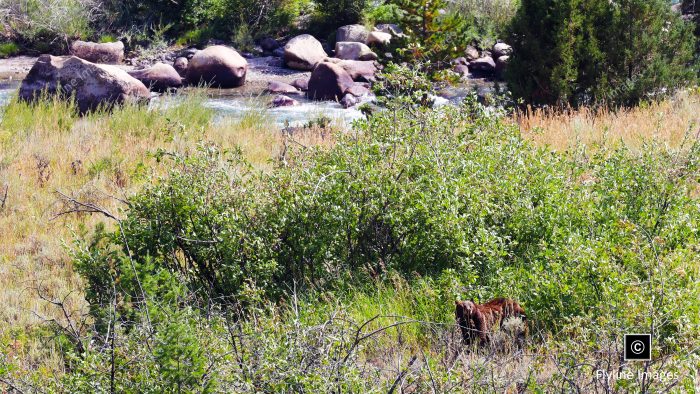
(476, 320)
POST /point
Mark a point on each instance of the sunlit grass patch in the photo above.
(672, 122)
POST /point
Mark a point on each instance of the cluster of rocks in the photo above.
(485, 63)
(331, 79)
(91, 75)
(343, 74)
(345, 78)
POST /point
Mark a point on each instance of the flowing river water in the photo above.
(241, 102)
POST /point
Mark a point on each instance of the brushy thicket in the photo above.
(46, 26)
(573, 52)
(450, 202)
(438, 31)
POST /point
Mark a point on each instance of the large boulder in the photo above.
(219, 66)
(353, 51)
(328, 81)
(160, 77)
(303, 52)
(269, 44)
(352, 33)
(462, 70)
(501, 64)
(471, 53)
(107, 53)
(93, 85)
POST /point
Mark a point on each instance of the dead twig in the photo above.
(3, 200)
(402, 374)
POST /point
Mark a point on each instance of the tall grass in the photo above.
(48, 148)
(671, 122)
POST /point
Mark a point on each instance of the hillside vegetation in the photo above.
(169, 248)
(209, 269)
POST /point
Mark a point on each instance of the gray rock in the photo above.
(471, 53)
(461, 69)
(359, 70)
(358, 89)
(93, 85)
(379, 38)
(279, 52)
(501, 49)
(219, 66)
(269, 44)
(180, 65)
(484, 65)
(281, 88)
(460, 60)
(328, 81)
(301, 84)
(160, 77)
(353, 51)
(107, 53)
(352, 33)
(390, 28)
(349, 100)
(501, 64)
(283, 101)
(303, 52)
(186, 53)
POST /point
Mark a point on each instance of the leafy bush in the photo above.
(47, 26)
(195, 21)
(569, 52)
(485, 20)
(417, 191)
(691, 8)
(8, 49)
(433, 34)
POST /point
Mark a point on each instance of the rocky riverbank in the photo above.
(290, 71)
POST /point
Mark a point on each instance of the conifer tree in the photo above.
(590, 52)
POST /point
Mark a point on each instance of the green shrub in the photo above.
(8, 49)
(416, 190)
(195, 21)
(485, 21)
(692, 8)
(572, 52)
(432, 34)
(105, 38)
(46, 26)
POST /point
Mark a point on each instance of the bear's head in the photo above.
(464, 310)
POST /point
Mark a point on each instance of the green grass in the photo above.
(8, 49)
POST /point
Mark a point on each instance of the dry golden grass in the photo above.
(102, 158)
(671, 122)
